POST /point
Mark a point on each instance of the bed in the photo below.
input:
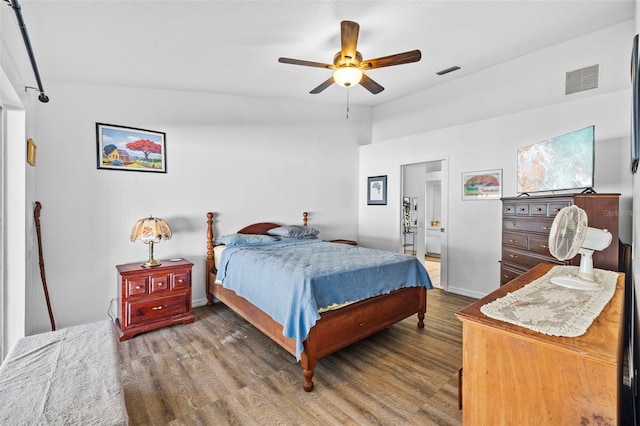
(311, 336)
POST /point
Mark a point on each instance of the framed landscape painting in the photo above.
(128, 148)
(483, 185)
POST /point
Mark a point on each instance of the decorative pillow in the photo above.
(245, 239)
(306, 237)
(293, 231)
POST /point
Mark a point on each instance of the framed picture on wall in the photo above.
(482, 185)
(377, 190)
(131, 149)
(32, 152)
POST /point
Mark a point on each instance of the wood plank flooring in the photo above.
(221, 370)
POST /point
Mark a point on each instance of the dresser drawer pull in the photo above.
(160, 284)
(556, 210)
(538, 209)
(180, 280)
(138, 287)
(512, 241)
(521, 209)
(513, 256)
(545, 228)
(514, 225)
(157, 308)
(544, 246)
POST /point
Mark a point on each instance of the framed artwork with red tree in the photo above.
(128, 148)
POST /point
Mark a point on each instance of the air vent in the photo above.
(582, 79)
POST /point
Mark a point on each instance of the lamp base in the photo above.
(151, 262)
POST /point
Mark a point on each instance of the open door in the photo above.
(426, 237)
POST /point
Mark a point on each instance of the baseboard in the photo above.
(465, 292)
(198, 302)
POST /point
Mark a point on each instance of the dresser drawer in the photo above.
(510, 272)
(539, 244)
(157, 308)
(554, 208)
(523, 225)
(514, 240)
(509, 209)
(525, 259)
(539, 209)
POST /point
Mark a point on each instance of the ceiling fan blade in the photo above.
(388, 61)
(323, 86)
(349, 38)
(370, 85)
(305, 63)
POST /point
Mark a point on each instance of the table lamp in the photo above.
(150, 230)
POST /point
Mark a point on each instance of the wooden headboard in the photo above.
(255, 228)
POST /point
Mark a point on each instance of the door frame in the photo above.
(444, 163)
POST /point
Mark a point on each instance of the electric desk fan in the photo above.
(569, 236)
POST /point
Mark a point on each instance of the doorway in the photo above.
(425, 185)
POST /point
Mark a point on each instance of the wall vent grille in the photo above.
(582, 79)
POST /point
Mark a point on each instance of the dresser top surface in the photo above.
(601, 341)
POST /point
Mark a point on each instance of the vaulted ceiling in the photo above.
(232, 47)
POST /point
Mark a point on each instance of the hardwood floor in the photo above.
(221, 370)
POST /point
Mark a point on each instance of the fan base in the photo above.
(575, 283)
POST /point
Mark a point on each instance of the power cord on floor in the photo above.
(110, 310)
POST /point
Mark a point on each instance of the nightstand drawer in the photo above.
(160, 282)
(137, 286)
(182, 280)
(145, 311)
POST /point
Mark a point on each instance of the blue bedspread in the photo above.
(290, 281)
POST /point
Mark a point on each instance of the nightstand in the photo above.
(153, 297)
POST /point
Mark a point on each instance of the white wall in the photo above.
(474, 228)
(246, 159)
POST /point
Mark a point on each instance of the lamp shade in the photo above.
(150, 230)
(347, 76)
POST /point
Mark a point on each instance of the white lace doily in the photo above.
(551, 309)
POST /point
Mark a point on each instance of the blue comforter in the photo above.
(291, 281)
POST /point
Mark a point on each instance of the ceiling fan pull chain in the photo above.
(347, 103)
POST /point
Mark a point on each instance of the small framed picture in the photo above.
(32, 151)
(377, 190)
(128, 148)
(482, 185)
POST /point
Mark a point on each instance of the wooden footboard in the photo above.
(335, 329)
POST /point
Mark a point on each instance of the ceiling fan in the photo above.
(348, 63)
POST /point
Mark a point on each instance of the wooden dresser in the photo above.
(515, 376)
(526, 222)
(153, 297)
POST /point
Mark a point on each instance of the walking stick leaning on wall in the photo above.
(36, 216)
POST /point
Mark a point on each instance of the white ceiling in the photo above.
(232, 47)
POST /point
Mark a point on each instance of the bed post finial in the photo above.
(305, 215)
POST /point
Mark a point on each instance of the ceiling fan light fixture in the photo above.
(347, 76)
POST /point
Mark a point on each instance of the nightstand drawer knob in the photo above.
(157, 308)
(138, 287)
